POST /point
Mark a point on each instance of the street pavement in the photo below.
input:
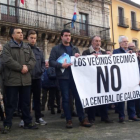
(55, 130)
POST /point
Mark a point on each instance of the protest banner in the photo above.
(106, 79)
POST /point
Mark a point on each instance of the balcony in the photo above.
(135, 25)
(105, 1)
(13, 16)
(123, 22)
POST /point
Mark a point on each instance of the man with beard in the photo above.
(65, 78)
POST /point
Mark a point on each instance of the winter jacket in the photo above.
(119, 50)
(1, 74)
(56, 52)
(14, 57)
(40, 63)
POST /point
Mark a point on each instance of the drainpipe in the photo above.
(55, 12)
(112, 24)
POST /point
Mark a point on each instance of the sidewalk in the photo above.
(55, 130)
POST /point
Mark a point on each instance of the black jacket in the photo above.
(139, 64)
(56, 52)
(48, 83)
(40, 63)
(119, 50)
(1, 75)
(1, 67)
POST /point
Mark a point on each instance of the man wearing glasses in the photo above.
(123, 42)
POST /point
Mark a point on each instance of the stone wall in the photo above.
(65, 9)
(61, 8)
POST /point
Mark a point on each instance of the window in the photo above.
(135, 42)
(8, 13)
(11, 9)
(4, 8)
(121, 16)
(133, 20)
(83, 26)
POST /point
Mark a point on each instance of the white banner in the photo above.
(106, 79)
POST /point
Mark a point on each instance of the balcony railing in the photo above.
(123, 22)
(135, 25)
(21, 16)
(105, 1)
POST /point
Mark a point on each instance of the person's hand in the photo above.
(65, 64)
(77, 55)
(137, 54)
(130, 51)
(24, 69)
(46, 64)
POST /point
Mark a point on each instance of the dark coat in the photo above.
(119, 50)
(139, 64)
(56, 52)
(40, 63)
(1, 76)
(1, 65)
(14, 57)
(48, 83)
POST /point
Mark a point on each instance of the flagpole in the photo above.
(75, 5)
(74, 15)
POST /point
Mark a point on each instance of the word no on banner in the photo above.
(106, 79)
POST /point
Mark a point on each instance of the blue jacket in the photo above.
(119, 50)
(47, 83)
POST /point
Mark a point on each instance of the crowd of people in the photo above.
(26, 78)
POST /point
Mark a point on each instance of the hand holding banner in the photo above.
(106, 79)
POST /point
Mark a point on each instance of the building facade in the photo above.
(49, 17)
(125, 21)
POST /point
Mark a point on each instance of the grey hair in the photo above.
(121, 38)
(94, 37)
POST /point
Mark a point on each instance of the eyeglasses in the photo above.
(124, 41)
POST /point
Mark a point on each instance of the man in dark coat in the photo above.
(36, 76)
(137, 101)
(65, 78)
(123, 42)
(1, 84)
(1, 69)
(18, 61)
(132, 47)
